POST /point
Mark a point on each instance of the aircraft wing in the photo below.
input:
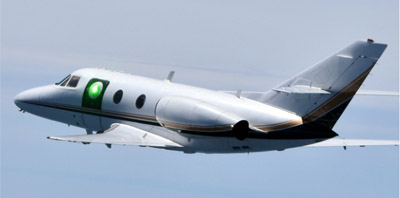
(355, 142)
(122, 134)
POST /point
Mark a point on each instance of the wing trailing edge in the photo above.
(121, 134)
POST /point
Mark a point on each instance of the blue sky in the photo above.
(221, 45)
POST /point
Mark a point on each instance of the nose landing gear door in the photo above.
(92, 100)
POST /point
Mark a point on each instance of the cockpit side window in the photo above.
(64, 80)
(73, 82)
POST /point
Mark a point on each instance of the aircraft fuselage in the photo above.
(130, 110)
(185, 116)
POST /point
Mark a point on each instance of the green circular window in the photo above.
(95, 89)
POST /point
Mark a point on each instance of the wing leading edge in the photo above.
(124, 135)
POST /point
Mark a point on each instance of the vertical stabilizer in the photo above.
(322, 92)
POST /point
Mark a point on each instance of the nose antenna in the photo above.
(21, 110)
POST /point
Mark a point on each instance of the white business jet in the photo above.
(124, 109)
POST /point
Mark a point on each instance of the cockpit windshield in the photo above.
(64, 80)
(69, 81)
(73, 82)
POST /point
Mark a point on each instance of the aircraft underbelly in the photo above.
(92, 122)
(232, 145)
(210, 144)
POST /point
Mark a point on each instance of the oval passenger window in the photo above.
(140, 101)
(117, 96)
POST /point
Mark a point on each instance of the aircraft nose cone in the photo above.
(29, 96)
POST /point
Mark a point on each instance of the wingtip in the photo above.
(52, 138)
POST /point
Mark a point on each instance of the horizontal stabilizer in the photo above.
(301, 89)
(122, 134)
(377, 93)
(355, 142)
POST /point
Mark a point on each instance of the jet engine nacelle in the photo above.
(190, 115)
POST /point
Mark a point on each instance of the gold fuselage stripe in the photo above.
(271, 127)
(279, 126)
(153, 121)
(339, 98)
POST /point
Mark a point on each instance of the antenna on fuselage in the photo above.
(238, 93)
(170, 76)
